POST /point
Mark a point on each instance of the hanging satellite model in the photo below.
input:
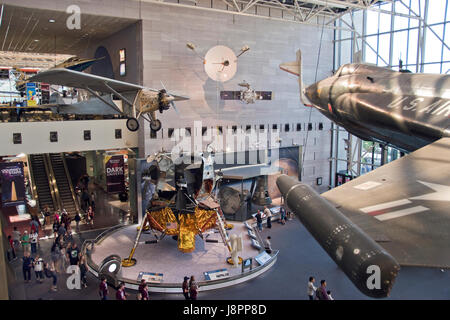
(247, 95)
(220, 62)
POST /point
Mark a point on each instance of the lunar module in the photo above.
(182, 203)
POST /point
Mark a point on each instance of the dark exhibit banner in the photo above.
(13, 184)
(115, 174)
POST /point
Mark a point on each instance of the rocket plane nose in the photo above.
(312, 93)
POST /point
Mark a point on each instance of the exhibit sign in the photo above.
(151, 277)
(13, 184)
(262, 258)
(216, 274)
(115, 174)
(31, 94)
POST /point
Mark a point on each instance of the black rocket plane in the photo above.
(396, 215)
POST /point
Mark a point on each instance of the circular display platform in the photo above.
(163, 259)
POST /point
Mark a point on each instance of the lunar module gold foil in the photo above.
(188, 226)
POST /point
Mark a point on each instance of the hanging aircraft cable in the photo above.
(315, 80)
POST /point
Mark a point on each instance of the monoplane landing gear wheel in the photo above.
(132, 124)
(155, 125)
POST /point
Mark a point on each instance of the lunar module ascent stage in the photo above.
(182, 204)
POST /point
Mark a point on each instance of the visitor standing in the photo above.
(185, 288)
(25, 240)
(193, 289)
(143, 290)
(103, 289)
(11, 252)
(50, 272)
(73, 253)
(321, 292)
(120, 293)
(268, 215)
(77, 222)
(16, 236)
(258, 218)
(83, 271)
(34, 239)
(39, 268)
(268, 245)
(311, 288)
(27, 264)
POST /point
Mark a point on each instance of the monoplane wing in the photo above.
(404, 205)
(75, 79)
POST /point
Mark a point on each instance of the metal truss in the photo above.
(315, 12)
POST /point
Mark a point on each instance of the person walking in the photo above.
(73, 253)
(103, 289)
(311, 288)
(120, 293)
(268, 215)
(27, 264)
(90, 214)
(11, 252)
(83, 271)
(185, 288)
(143, 290)
(16, 236)
(193, 289)
(321, 292)
(50, 272)
(268, 245)
(93, 200)
(39, 268)
(56, 254)
(34, 240)
(282, 216)
(77, 222)
(258, 218)
(25, 241)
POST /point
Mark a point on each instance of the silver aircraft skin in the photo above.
(404, 110)
(398, 214)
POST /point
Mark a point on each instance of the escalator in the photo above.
(44, 191)
(63, 187)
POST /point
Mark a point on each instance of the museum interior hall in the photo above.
(224, 150)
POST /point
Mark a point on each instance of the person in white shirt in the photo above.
(311, 288)
(329, 295)
(268, 215)
(34, 241)
(16, 236)
(39, 268)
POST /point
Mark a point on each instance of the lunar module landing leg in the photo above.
(130, 261)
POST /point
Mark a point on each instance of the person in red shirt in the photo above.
(143, 290)
(120, 294)
(12, 250)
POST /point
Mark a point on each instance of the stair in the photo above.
(223, 232)
(41, 181)
(63, 184)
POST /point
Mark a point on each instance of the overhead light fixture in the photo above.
(36, 40)
(51, 20)
(21, 155)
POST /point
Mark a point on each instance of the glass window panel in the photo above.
(436, 11)
(412, 47)
(447, 42)
(432, 68)
(385, 22)
(446, 68)
(399, 46)
(433, 45)
(400, 8)
(371, 56)
(383, 49)
(400, 23)
(418, 7)
(372, 22)
(346, 52)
